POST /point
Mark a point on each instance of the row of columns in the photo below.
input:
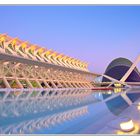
(17, 47)
(50, 78)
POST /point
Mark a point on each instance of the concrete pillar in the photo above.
(29, 83)
(6, 83)
(38, 84)
(46, 84)
(18, 82)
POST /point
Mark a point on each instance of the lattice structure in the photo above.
(29, 126)
(24, 103)
(46, 108)
(24, 65)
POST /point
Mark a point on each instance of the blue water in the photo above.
(60, 111)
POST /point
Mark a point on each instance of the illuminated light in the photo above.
(2, 39)
(48, 52)
(75, 61)
(134, 131)
(33, 48)
(18, 45)
(68, 60)
(14, 42)
(60, 56)
(64, 58)
(71, 59)
(41, 50)
(24, 45)
(117, 85)
(109, 92)
(138, 107)
(117, 90)
(54, 54)
(127, 126)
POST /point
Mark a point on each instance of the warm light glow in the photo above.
(32, 47)
(138, 107)
(41, 50)
(127, 126)
(2, 39)
(134, 131)
(70, 60)
(117, 90)
(54, 54)
(64, 58)
(27, 48)
(23, 45)
(109, 92)
(48, 52)
(14, 42)
(73, 61)
(59, 56)
(117, 85)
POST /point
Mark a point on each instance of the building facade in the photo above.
(24, 65)
(119, 67)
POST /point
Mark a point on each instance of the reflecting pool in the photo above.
(67, 111)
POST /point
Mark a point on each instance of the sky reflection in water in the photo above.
(61, 111)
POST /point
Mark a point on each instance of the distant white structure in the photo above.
(24, 65)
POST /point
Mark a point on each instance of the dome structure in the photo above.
(118, 67)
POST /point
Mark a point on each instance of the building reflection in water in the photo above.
(122, 101)
(26, 111)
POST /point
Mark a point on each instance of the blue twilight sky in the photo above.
(96, 34)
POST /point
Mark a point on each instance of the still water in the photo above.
(61, 111)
